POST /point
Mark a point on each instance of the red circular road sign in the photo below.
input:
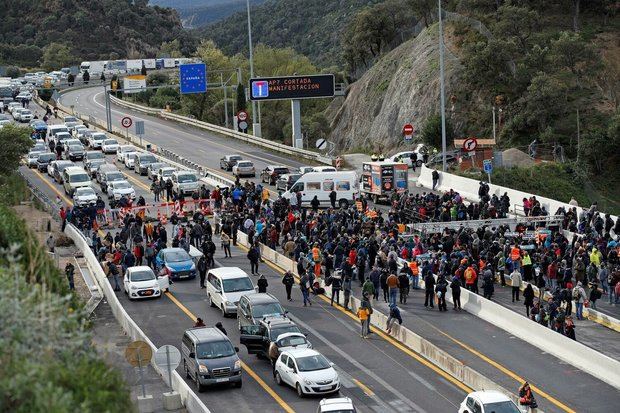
(470, 144)
(242, 115)
(126, 122)
(408, 129)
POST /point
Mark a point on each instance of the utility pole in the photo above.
(494, 138)
(442, 87)
(225, 86)
(255, 124)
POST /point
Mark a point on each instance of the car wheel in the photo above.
(223, 311)
(300, 391)
(418, 163)
(199, 386)
(186, 370)
(279, 379)
(238, 384)
(211, 303)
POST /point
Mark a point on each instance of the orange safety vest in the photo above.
(413, 266)
(470, 275)
(515, 254)
(316, 254)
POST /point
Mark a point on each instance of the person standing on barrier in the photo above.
(69, 271)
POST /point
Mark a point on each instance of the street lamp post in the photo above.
(255, 124)
(442, 87)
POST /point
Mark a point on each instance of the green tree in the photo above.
(431, 131)
(516, 22)
(15, 142)
(241, 100)
(13, 72)
(544, 102)
(57, 55)
(170, 49)
(157, 79)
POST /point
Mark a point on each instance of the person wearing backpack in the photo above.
(579, 296)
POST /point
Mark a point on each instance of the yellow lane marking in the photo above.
(365, 388)
(386, 337)
(245, 367)
(53, 188)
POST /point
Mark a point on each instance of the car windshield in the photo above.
(262, 310)
(128, 149)
(233, 285)
(99, 137)
(501, 407)
(312, 363)
(95, 155)
(214, 350)
(75, 148)
(85, 191)
(70, 119)
(167, 172)
(142, 275)
(121, 185)
(131, 155)
(79, 178)
(294, 178)
(61, 166)
(46, 157)
(244, 164)
(94, 163)
(289, 328)
(235, 158)
(187, 178)
(281, 170)
(38, 148)
(110, 142)
(147, 159)
(176, 256)
(292, 341)
(155, 165)
(115, 176)
(26, 112)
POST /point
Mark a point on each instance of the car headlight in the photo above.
(229, 303)
(309, 382)
(203, 369)
(133, 287)
(237, 364)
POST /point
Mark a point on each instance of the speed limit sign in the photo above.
(126, 122)
(242, 115)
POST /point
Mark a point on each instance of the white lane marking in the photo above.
(421, 380)
(361, 367)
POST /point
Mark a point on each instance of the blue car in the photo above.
(176, 263)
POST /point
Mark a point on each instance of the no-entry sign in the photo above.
(408, 129)
(126, 122)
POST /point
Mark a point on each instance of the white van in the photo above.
(226, 286)
(52, 130)
(321, 184)
(74, 177)
(184, 182)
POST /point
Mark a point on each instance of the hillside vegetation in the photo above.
(311, 27)
(85, 30)
(197, 13)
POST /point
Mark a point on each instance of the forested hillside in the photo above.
(311, 27)
(197, 13)
(90, 30)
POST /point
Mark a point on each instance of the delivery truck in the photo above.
(380, 180)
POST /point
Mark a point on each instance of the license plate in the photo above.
(325, 388)
(148, 292)
(221, 380)
(183, 275)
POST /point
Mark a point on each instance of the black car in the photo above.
(74, 153)
(44, 160)
(257, 338)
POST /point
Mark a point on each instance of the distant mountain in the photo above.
(96, 29)
(197, 13)
(312, 27)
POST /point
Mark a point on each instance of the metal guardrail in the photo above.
(51, 207)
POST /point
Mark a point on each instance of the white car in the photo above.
(165, 173)
(130, 160)
(96, 140)
(117, 189)
(124, 150)
(31, 158)
(84, 196)
(77, 129)
(488, 401)
(25, 115)
(141, 282)
(71, 126)
(24, 96)
(12, 106)
(308, 371)
(109, 146)
(244, 168)
(405, 157)
(17, 113)
(336, 405)
(61, 137)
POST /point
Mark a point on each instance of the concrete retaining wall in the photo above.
(192, 403)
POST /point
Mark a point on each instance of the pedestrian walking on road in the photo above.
(288, 280)
(220, 327)
(441, 289)
(347, 287)
(226, 245)
(392, 285)
(254, 256)
(515, 282)
(362, 314)
(528, 298)
(304, 286)
(526, 397)
(69, 271)
(429, 285)
(262, 284)
(579, 296)
(336, 283)
(455, 286)
(403, 282)
(202, 270)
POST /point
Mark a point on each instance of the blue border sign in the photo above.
(193, 78)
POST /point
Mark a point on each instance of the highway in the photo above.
(376, 374)
(488, 349)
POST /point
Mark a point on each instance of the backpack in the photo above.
(575, 293)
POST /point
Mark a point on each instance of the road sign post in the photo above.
(242, 117)
(168, 358)
(487, 165)
(140, 129)
(138, 354)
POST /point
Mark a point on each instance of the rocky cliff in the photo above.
(402, 87)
